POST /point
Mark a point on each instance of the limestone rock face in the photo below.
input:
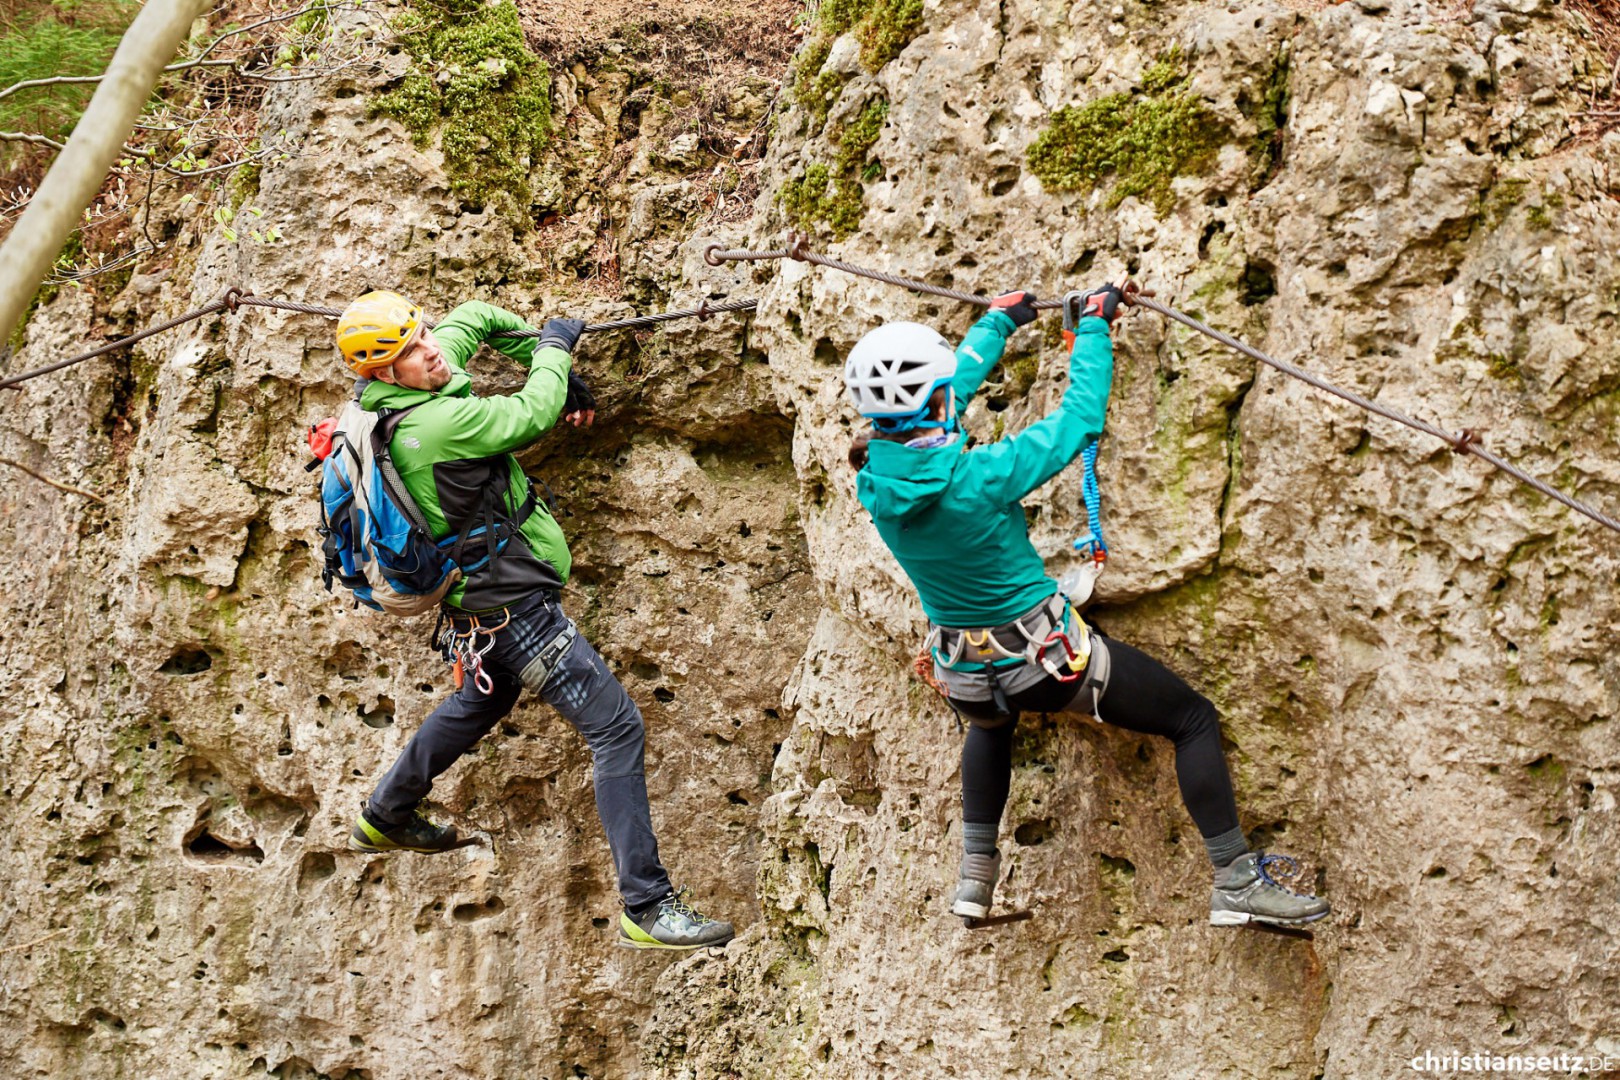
(1412, 655)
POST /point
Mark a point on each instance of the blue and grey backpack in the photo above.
(374, 537)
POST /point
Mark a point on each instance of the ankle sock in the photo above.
(979, 838)
(1226, 848)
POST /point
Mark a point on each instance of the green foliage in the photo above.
(889, 25)
(1507, 194)
(244, 183)
(833, 195)
(1270, 120)
(1143, 141)
(41, 40)
(1505, 367)
(476, 83)
(883, 27)
(815, 90)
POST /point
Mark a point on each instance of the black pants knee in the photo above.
(1143, 696)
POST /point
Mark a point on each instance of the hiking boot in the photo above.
(417, 834)
(1246, 891)
(673, 924)
(976, 890)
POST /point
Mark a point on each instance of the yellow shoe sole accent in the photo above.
(632, 936)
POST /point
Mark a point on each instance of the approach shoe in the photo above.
(1249, 891)
(417, 834)
(976, 890)
(673, 924)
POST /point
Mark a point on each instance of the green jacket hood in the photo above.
(376, 394)
(900, 481)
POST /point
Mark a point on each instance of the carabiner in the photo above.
(1058, 637)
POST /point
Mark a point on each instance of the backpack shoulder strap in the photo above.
(388, 420)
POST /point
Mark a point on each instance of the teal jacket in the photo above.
(952, 517)
(456, 443)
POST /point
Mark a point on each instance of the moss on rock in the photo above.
(1143, 140)
(883, 27)
(834, 195)
(476, 82)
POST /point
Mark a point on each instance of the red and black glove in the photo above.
(1103, 302)
(1017, 306)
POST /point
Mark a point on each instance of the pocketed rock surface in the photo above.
(1411, 653)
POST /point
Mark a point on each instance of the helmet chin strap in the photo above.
(950, 422)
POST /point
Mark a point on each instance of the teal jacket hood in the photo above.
(900, 481)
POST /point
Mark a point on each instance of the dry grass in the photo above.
(687, 60)
(1604, 18)
(570, 27)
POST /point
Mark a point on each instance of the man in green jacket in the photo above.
(454, 452)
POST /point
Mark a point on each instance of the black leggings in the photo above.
(1143, 696)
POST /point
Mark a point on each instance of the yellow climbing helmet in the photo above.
(375, 329)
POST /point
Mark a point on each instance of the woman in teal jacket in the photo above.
(1000, 633)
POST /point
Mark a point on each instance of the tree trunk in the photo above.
(97, 141)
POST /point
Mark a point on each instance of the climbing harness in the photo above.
(1024, 639)
(1052, 638)
(465, 655)
(1466, 441)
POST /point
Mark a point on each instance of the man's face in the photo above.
(421, 366)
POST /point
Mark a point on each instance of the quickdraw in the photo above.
(466, 656)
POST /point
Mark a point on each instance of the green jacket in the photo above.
(456, 445)
(952, 517)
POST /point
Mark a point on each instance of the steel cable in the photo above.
(13, 380)
(233, 298)
(1463, 442)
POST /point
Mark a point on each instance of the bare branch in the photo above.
(81, 167)
(198, 61)
(24, 136)
(355, 6)
(57, 484)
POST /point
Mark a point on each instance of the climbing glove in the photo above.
(1017, 306)
(579, 399)
(561, 334)
(1103, 302)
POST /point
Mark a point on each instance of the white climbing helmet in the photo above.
(893, 370)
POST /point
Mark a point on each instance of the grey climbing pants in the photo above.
(580, 687)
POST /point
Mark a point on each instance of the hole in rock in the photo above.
(1259, 283)
(380, 716)
(1033, 833)
(187, 660)
(315, 866)
(210, 848)
(471, 913)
